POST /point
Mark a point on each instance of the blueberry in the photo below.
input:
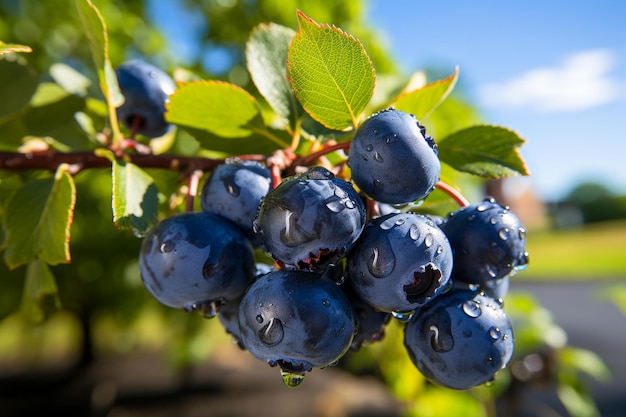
(488, 241)
(297, 320)
(146, 89)
(370, 322)
(310, 220)
(195, 261)
(460, 340)
(392, 160)
(400, 262)
(234, 190)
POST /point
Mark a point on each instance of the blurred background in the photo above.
(555, 72)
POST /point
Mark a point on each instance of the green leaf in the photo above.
(96, 31)
(421, 102)
(135, 197)
(577, 403)
(266, 57)
(38, 219)
(221, 109)
(18, 82)
(486, 151)
(41, 295)
(332, 75)
(9, 48)
(585, 361)
(71, 80)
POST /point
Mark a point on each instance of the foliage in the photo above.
(67, 165)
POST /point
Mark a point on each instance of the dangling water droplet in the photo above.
(414, 232)
(290, 379)
(429, 239)
(471, 308)
(259, 318)
(473, 287)
(403, 316)
(207, 309)
(522, 262)
(521, 233)
(503, 233)
(272, 333)
(382, 261)
(490, 382)
(378, 157)
(369, 148)
(495, 333)
(167, 246)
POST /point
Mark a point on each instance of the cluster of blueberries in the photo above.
(345, 261)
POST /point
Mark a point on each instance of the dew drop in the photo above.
(493, 220)
(491, 269)
(439, 250)
(495, 333)
(349, 204)
(471, 308)
(503, 233)
(490, 382)
(399, 222)
(471, 218)
(290, 379)
(522, 262)
(414, 232)
(272, 333)
(482, 207)
(403, 316)
(473, 287)
(259, 318)
(521, 233)
(378, 185)
(365, 157)
(378, 157)
(429, 240)
(340, 192)
(369, 148)
(207, 309)
(439, 342)
(388, 224)
(167, 246)
(326, 302)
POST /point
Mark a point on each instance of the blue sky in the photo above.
(554, 71)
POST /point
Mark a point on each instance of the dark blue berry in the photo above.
(488, 241)
(460, 340)
(146, 89)
(234, 190)
(196, 261)
(297, 320)
(400, 262)
(392, 160)
(310, 220)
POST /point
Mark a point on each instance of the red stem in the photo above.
(308, 159)
(453, 192)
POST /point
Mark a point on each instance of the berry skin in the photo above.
(400, 262)
(234, 191)
(460, 340)
(488, 241)
(392, 160)
(146, 89)
(310, 220)
(194, 261)
(296, 319)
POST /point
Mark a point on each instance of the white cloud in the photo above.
(580, 82)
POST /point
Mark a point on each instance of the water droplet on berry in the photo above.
(349, 204)
(369, 148)
(365, 157)
(232, 188)
(414, 232)
(492, 270)
(440, 342)
(334, 204)
(439, 250)
(521, 233)
(429, 240)
(167, 246)
(378, 185)
(471, 218)
(290, 379)
(490, 382)
(493, 220)
(382, 261)
(503, 233)
(272, 333)
(471, 308)
(473, 287)
(388, 224)
(399, 222)
(522, 262)
(259, 318)
(340, 192)
(326, 302)
(403, 316)
(495, 333)
(207, 309)
(378, 157)
(482, 207)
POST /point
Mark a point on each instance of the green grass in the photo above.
(596, 251)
